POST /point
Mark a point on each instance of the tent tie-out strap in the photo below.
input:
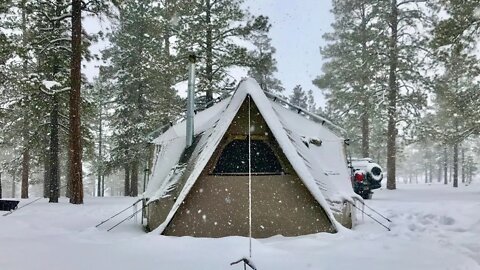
(11, 212)
(127, 218)
(376, 212)
(370, 216)
(118, 213)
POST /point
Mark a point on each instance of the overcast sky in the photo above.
(297, 29)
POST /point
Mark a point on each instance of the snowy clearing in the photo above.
(434, 227)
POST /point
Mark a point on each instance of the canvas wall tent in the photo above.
(300, 183)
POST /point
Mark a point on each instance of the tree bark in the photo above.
(209, 53)
(426, 172)
(430, 172)
(54, 192)
(25, 172)
(450, 175)
(46, 176)
(439, 179)
(463, 165)
(365, 135)
(127, 181)
(134, 179)
(364, 79)
(455, 165)
(103, 185)
(392, 99)
(68, 189)
(0, 185)
(13, 185)
(166, 31)
(445, 165)
(75, 102)
(26, 152)
(100, 145)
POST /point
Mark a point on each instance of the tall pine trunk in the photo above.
(392, 98)
(25, 172)
(68, 189)
(450, 175)
(166, 31)
(445, 165)
(426, 172)
(46, 176)
(364, 79)
(134, 179)
(209, 53)
(455, 164)
(103, 185)
(430, 172)
(463, 165)
(365, 134)
(54, 192)
(14, 176)
(126, 191)
(100, 145)
(75, 101)
(439, 179)
(26, 152)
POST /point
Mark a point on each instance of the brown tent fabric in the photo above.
(217, 205)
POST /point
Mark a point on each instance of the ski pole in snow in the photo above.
(125, 219)
(117, 213)
(374, 219)
(373, 210)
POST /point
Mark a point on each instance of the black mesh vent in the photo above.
(234, 159)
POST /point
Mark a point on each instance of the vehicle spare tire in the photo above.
(375, 172)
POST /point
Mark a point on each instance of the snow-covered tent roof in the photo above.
(321, 168)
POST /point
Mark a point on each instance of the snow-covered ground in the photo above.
(434, 227)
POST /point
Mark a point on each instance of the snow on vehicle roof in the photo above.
(322, 168)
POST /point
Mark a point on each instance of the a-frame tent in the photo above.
(203, 190)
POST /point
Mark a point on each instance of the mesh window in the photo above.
(234, 159)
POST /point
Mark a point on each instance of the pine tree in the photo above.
(407, 76)
(351, 80)
(298, 97)
(370, 38)
(311, 105)
(263, 64)
(39, 80)
(457, 91)
(24, 101)
(142, 96)
(75, 137)
(460, 25)
(210, 29)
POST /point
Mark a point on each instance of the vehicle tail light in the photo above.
(359, 177)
